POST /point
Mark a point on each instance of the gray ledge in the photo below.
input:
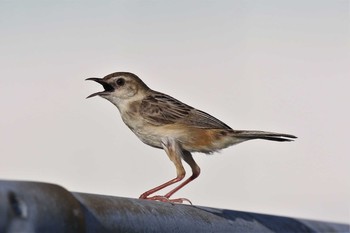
(41, 207)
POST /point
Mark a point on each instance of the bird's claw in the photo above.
(166, 199)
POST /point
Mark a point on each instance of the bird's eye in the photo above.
(120, 81)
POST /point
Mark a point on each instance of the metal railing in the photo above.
(33, 207)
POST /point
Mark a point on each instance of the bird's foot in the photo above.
(166, 199)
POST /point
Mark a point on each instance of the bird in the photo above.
(164, 122)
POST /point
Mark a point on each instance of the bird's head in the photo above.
(120, 87)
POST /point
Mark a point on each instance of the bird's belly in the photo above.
(154, 135)
(149, 137)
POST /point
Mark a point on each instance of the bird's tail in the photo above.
(252, 134)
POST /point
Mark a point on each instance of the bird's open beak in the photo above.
(108, 88)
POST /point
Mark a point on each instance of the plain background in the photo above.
(271, 65)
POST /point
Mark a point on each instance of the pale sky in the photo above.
(271, 65)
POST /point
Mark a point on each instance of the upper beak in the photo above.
(108, 88)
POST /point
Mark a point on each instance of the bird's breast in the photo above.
(147, 133)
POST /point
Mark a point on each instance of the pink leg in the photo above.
(181, 174)
(195, 172)
(174, 153)
(170, 182)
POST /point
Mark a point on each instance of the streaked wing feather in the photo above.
(204, 120)
(160, 109)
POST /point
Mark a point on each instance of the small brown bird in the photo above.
(163, 122)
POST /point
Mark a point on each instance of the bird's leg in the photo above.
(166, 184)
(174, 153)
(195, 173)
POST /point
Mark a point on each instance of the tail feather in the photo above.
(252, 134)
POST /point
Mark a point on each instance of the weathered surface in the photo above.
(40, 207)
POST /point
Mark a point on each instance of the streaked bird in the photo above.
(164, 122)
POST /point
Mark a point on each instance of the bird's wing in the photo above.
(159, 109)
